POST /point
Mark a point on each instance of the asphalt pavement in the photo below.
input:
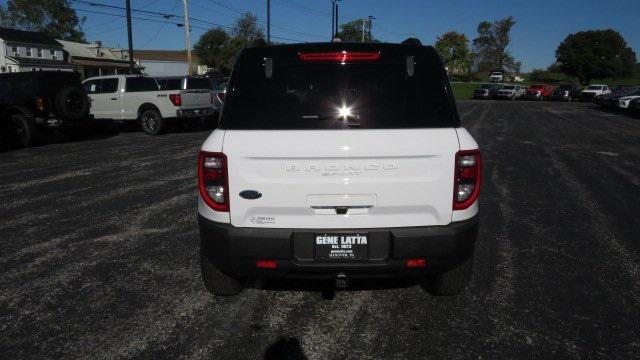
(99, 259)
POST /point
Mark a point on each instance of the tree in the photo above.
(246, 28)
(210, 47)
(595, 54)
(219, 49)
(453, 47)
(54, 17)
(352, 32)
(492, 43)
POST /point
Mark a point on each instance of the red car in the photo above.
(539, 92)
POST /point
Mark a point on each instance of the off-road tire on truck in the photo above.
(217, 282)
(151, 122)
(452, 282)
(72, 104)
(25, 129)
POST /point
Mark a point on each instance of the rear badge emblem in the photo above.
(250, 194)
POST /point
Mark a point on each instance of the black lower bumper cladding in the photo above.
(235, 250)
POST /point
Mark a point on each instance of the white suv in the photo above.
(339, 161)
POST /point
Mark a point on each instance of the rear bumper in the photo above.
(235, 250)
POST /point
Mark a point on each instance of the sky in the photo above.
(541, 24)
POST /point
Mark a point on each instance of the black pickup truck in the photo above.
(31, 102)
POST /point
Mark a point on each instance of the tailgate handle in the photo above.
(342, 210)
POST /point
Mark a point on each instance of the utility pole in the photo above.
(187, 35)
(333, 19)
(130, 36)
(363, 21)
(268, 22)
(371, 18)
(337, 29)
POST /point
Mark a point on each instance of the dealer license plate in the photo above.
(341, 246)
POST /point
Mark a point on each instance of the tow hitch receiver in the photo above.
(341, 281)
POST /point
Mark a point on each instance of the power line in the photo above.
(301, 7)
(273, 25)
(175, 23)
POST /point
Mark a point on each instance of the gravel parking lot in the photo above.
(99, 255)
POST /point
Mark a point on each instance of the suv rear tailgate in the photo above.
(381, 178)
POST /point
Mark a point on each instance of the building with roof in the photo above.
(168, 62)
(30, 51)
(95, 60)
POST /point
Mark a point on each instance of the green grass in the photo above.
(463, 91)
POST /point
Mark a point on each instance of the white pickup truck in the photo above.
(138, 98)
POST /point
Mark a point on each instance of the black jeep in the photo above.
(41, 100)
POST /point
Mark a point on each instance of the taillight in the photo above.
(176, 99)
(467, 178)
(213, 180)
(40, 104)
(340, 56)
(221, 95)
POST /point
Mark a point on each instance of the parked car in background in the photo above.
(487, 91)
(567, 92)
(511, 92)
(139, 98)
(610, 101)
(219, 86)
(31, 102)
(624, 101)
(634, 106)
(183, 82)
(592, 91)
(539, 92)
(496, 76)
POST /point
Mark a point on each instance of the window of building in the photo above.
(54, 55)
(39, 53)
(14, 50)
(29, 53)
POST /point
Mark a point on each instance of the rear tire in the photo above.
(453, 281)
(215, 281)
(152, 122)
(24, 130)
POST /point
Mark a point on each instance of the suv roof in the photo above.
(300, 86)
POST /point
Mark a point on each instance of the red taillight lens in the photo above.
(176, 99)
(213, 180)
(221, 95)
(40, 104)
(340, 56)
(467, 178)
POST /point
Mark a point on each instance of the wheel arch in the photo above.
(147, 106)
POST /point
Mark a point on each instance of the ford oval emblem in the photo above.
(250, 194)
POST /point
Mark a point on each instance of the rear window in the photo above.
(198, 83)
(373, 95)
(536, 87)
(137, 84)
(169, 84)
(508, 87)
(594, 87)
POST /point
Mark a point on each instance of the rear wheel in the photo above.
(452, 282)
(217, 282)
(151, 122)
(23, 129)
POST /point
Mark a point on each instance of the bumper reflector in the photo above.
(414, 263)
(266, 264)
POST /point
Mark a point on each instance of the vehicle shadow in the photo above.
(285, 349)
(328, 287)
